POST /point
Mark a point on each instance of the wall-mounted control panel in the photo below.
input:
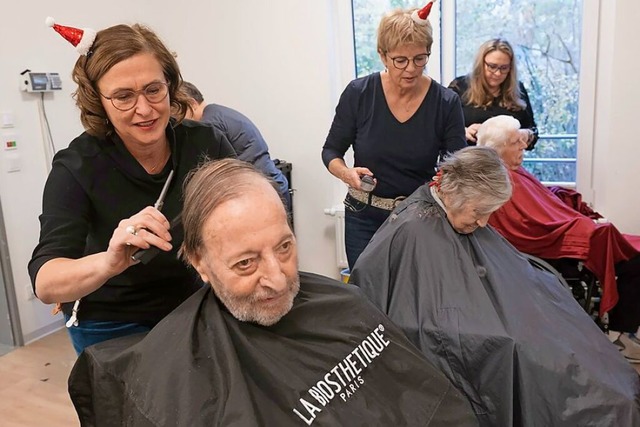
(40, 82)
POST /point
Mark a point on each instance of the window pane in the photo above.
(545, 35)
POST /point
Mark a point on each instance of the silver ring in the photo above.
(131, 230)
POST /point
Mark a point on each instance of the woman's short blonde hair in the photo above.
(398, 29)
(112, 46)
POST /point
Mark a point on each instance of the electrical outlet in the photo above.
(29, 292)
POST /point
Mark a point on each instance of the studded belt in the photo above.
(375, 201)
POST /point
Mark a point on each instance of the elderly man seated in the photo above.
(510, 337)
(262, 345)
(537, 222)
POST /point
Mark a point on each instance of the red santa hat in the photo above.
(82, 39)
(420, 16)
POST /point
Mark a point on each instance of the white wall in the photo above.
(25, 44)
(277, 62)
(608, 159)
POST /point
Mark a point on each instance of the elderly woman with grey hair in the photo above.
(509, 336)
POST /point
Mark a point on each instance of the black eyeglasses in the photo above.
(126, 99)
(402, 62)
(494, 68)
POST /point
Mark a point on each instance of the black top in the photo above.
(333, 360)
(95, 183)
(247, 141)
(474, 114)
(402, 156)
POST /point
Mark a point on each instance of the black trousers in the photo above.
(625, 315)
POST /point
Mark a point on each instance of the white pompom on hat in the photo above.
(420, 16)
(82, 39)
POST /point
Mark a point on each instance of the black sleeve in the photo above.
(456, 86)
(454, 137)
(343, 129)
(529, 122)
(225, 149)
(64, 222)
(459, 85)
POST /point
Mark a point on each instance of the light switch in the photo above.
(6, 119)
(13, 162)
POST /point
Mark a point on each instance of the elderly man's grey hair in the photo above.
(207, 187)
(475, 175)
(496, 131)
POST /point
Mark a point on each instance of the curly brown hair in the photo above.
(112, 46)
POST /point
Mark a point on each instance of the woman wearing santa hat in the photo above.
(397, 121)
(101, 202)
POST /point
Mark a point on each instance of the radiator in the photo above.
(337, 212)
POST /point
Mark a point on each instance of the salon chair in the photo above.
(582, 283)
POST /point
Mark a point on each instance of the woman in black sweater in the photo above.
(492, 89)
(98, 204)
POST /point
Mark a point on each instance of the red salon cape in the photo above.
(538, 223)
(333, 360)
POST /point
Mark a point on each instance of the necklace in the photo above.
(162, 161)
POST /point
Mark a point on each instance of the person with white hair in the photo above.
(537, 222)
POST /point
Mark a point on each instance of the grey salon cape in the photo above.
(509, 336)
(333, 360)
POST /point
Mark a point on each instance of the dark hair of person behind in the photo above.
(112, 46)
(192, 92)
(206, 188)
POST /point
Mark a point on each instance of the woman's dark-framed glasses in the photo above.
(494, 68)
(126, 99)
(402, 62)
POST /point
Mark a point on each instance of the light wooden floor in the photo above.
(33, 384)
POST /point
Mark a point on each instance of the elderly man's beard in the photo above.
(254, 308)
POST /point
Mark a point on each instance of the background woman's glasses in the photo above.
(494, 68)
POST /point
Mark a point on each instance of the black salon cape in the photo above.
(201, 367)
(507, 335)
